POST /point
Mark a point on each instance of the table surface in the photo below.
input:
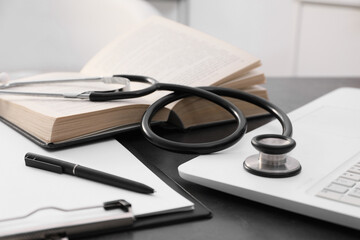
(235, 217)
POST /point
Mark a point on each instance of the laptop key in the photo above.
(351, 176)
(355, 169)
(355, 193)
(351, 200)
(337, 188)
(329, 195)
(345, 182)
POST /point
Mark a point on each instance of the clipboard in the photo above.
(124, 222)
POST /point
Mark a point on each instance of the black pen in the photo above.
(59, 166)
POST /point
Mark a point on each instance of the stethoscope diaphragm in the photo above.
(272, 160)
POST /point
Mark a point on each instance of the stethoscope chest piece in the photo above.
(272, 160)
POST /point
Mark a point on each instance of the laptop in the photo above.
(327, 133)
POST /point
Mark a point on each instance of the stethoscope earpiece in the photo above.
(272, 160)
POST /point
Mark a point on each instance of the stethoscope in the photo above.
(272, 160)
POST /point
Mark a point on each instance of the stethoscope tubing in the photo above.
(181, 91)
(213, 94)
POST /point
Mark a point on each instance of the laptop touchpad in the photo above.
(332, 120)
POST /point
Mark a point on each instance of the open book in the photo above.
(159, 48)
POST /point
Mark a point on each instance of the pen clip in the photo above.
(32, 162)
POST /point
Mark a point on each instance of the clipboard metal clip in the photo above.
(122, 204)
(62, 232)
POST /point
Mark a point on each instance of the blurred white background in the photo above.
(292, 37)
(62, 35)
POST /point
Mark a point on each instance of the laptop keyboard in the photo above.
(345, 188)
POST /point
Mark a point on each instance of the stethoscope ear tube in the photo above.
(197, 148)
(99, 96)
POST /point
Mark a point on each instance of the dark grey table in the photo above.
(234, 217)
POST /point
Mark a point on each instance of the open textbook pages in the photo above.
(174, 53)
(159, 48)
(26, 189)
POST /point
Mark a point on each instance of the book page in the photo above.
(25, 189)
(172, 53)
(252, 78)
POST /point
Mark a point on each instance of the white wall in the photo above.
(292, 37)
(329, 41)
(263, 28)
